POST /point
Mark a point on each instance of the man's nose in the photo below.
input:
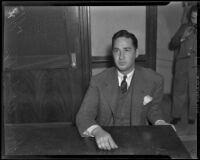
(121, 55)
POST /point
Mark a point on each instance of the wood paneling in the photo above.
(39, 82)
(37, 96)
(107, 61)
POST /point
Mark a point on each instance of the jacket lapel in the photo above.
(138, 95)
(110, 91)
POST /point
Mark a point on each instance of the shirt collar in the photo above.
(128, 79)
(128, 75)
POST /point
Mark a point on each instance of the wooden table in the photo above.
(62, 139)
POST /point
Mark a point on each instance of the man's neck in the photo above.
(126, 72)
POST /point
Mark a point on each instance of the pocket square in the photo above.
(147, 99)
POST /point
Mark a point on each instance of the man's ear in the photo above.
(136, 53)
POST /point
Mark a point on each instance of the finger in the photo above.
(99, 144)
(103, 144)
(107, 144)
(112, 143)
(173, 127)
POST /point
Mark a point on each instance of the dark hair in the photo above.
(192, 9)
(125, 33)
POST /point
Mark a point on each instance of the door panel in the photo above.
(36, 36)
(39, 83)
(38, 96)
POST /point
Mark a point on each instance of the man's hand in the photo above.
(162, 122)
(103, 139)
(188, 31)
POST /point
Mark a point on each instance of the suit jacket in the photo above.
(101, 98)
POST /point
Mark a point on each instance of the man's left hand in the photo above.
(162, 122)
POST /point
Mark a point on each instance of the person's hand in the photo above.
(165, 123)
(103, 139)
(188, 31)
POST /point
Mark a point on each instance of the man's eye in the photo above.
(126, 49)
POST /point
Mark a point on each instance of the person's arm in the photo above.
(155, 114)
(154, 110)
(86, 116)
(86, 123)
(177, 38)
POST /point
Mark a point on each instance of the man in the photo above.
(184, 43)
(124, 95)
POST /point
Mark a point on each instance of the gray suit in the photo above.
(101, 99)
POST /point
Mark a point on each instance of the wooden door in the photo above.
(45, 72)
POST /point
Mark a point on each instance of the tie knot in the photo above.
(124, 77)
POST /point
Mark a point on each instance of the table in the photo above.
(63, 139)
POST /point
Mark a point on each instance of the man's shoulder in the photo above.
(104, 74)
(150, 74)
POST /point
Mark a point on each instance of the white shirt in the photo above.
(120, 79)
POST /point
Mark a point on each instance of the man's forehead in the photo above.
(123, 40)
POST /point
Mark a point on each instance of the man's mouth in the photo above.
(122, 63)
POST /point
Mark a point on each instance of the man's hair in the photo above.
(192, 9)
(125, 33)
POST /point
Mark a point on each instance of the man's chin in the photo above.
(122, 69)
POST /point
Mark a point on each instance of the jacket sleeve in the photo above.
(175, 41)
(88, 111)
(154, 110)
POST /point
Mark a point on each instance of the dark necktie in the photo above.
(124, 85)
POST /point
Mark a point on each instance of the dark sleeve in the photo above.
(175, 41)
(88, 111)
(154, 111)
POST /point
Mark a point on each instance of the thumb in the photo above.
(173, 127)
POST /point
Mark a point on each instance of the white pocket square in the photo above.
(147, 99)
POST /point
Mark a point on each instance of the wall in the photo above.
(169, 20)
(107, 20)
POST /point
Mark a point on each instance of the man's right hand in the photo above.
(103, 139)
(188, 31)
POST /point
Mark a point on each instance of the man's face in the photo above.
(194, 17)
(124, 54)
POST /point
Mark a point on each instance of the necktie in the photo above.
(124, 85)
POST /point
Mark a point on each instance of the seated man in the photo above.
(124, 95)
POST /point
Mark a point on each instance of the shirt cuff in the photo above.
(88, 131)
(159, 122)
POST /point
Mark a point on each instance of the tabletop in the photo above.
(62, 139)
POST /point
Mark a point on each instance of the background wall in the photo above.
(169, 20)
(107, 20)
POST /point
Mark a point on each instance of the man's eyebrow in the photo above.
(127, 47)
